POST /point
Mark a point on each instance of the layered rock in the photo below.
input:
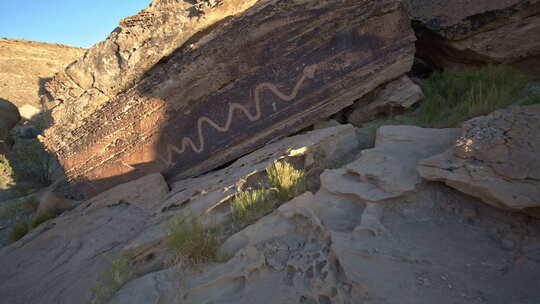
(389, 170)
(496, 159)
(477, 31)
(182, 88)
(25, 66)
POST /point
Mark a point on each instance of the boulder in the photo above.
(182, 88)
(496, 159)
(9, 117)
(29, 111)
(477, 31)
(393, 97)
(389, 170)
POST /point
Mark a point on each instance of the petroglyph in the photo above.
(172, 150)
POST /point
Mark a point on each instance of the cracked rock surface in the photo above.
(496, 159)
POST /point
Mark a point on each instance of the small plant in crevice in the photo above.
(287, 183)
(40, 219)
(286, 180)
(191, 242)
(111, 280)
(251, 205)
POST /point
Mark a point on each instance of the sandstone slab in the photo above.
(389, 170)
(495, 159)
(186, 101)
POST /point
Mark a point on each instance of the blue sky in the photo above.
(73, 22)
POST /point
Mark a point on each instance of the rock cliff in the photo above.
(181, 88)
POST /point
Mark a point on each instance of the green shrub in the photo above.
(30, 161)
(16, 208)
(38, 220)
(111, 280)
(18, 231)
(454, 96)
(191, 241)
(251, 205)
(287, 181)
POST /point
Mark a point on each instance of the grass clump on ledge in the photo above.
(453, 96)
(192, 243)
(251, 205)
(111, 280)
(19, 230)
(286, 180)
(287, 183)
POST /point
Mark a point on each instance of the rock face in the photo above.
(25, 66)
(9, 117)
(477, 31)
(495, 159)
(182, 88)
(389, 170)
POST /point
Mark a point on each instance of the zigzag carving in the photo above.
(308, 73)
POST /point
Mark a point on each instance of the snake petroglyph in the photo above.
(309, 73)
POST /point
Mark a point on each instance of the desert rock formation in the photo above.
(496, 159)
(184, 101)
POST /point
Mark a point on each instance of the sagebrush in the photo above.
(111, 280)
(191, 242)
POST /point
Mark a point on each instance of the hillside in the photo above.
(24, 65)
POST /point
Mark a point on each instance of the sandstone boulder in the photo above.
(9, 117)
(477, 31)
(181, 92)
(394, 97)
(389, 170)
(495, 159)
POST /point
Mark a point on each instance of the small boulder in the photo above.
(9, 117)
(396, 95)
(497, 159)
(28, 111)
